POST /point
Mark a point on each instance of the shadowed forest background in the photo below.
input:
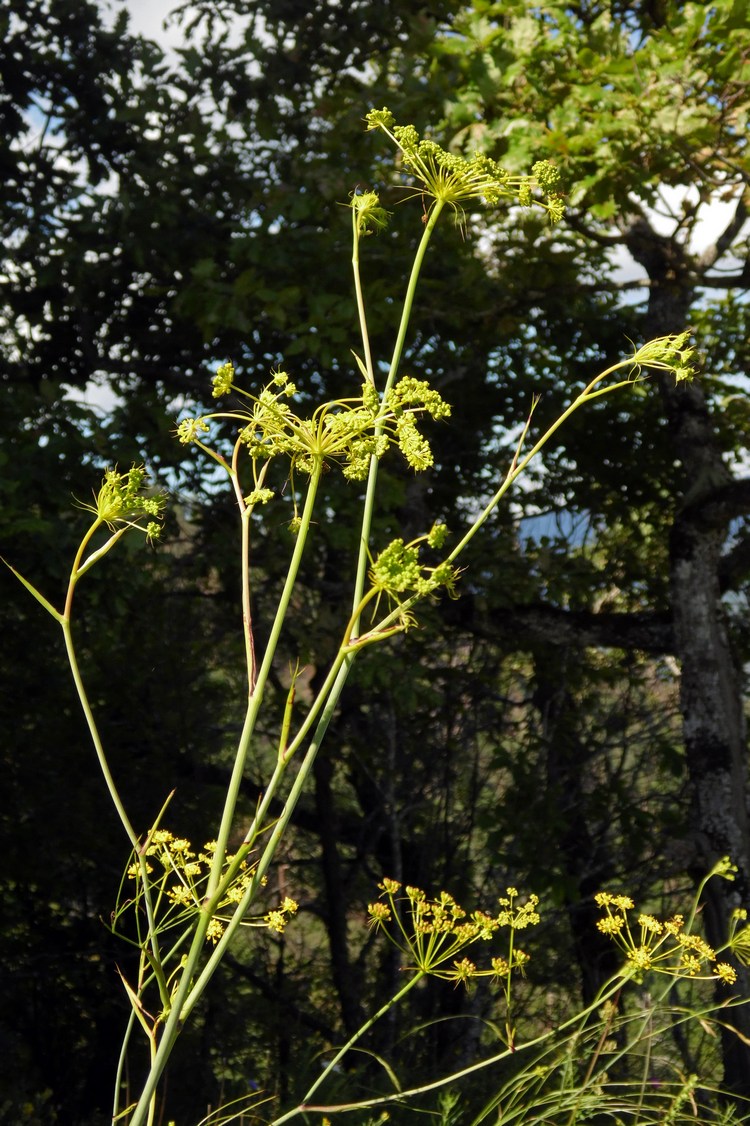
(576, 719)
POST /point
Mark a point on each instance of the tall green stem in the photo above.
(256, 694)
(189, 989)
(348, 1045)
(369, 504)
(338, 673)
(95, 737)
(608, 991)
(518, 466)
(360, 299)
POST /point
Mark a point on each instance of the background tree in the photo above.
(669, 111)
(631, 103)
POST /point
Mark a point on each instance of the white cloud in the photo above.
(711, 218)
(148, 18)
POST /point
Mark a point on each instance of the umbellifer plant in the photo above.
(188, 902)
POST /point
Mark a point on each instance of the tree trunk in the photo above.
(345, 974)
(715, 747)
(711, 681)
(586, 865)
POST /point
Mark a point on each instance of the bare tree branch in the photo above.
(713, 253)
(575, 220)
(649, 630)
(731, 281)
(717, 507)
(735, 566)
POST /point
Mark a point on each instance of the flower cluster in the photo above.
(121, 501)
(369, 216)
(515, 914)
(350, 431)
(397, 570)
(663, 946)
(666, 353)
(455, 180)
(739, 939)
(223, 381)
(181, 885)
(432, 932)
(403, 403)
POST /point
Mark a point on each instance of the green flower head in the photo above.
(190, 429)
(666, 353)
(432, 933)
(369, 215)
(223, 380)
(398, 570)
(456, 180)
(122, 500)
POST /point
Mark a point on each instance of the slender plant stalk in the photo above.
(256, 694)
(188, 989)
(394, 1000)
(264, 863)
(370, 370)
(369, 503)
(607, 992)
(109, 781)
(65, 622)
(121, 1064)
(518, 465)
